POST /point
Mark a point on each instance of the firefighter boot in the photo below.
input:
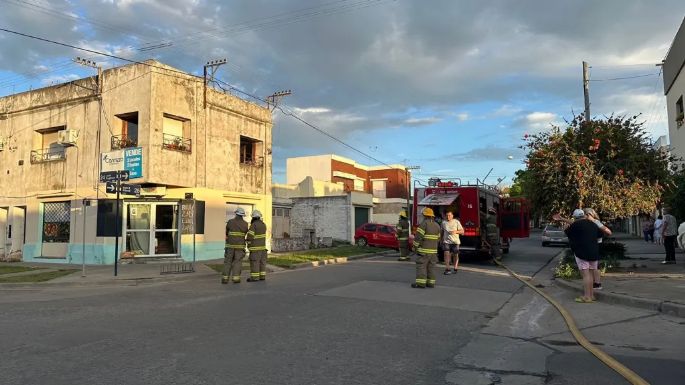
(254, 277)
(224, 279)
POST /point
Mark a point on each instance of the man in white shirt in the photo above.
(451, 229)
(669, 232)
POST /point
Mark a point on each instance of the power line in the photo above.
(626, 77)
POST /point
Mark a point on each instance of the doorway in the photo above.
(152, 228)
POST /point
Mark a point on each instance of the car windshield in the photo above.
(552, 228)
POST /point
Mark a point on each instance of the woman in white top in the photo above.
(658, 224)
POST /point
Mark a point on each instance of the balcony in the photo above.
(177, 143)
(48, 155)
(123, 141)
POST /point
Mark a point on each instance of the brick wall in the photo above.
(327, 216)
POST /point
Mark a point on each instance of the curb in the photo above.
(333, 261)
(113, 282)
(666, 307)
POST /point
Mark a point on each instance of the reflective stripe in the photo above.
(240, 233)
(402, 239)
(421, 231)
(257, 248)
(431, 281)
(427, 251)
(420, 280)
(251, 232)
(432, 237)
(260, 236)
(235, 246)
(254, 274)
(262, 273)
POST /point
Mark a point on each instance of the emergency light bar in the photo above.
(436, 182)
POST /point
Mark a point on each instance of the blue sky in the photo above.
(449, 86)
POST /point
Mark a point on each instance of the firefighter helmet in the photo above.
(428, 212)
(256, 214)
(403, 213)
(240, 212)
(492, 210)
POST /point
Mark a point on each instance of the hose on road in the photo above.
(609, 361)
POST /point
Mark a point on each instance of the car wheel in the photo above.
(362, 242)
(544, 244)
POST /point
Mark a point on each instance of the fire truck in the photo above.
(470, 203)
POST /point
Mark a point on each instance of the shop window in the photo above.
(56, 218)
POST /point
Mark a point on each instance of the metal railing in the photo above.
(177, 143)
(257, 161)
(48, 155)
(123, 141)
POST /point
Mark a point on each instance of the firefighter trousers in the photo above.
(404, 250)
(233, 263)
(425, 275)
(258, 265)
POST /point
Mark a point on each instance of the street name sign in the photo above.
(112, 176)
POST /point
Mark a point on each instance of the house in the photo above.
(674, 89)
(389, 185)
(196, 153)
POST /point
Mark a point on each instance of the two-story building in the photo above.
(185, 145)
(674, 89)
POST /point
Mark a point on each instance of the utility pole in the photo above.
(586, 90)
(275, 98)
(213, 66)
(406, 171)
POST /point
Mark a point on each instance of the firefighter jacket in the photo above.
(427, 236)
(491, 230)
(256, 236)
(236, 229)
(402, 230)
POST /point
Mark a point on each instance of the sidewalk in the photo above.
(642, 281)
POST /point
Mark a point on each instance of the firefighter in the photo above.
(402, 232)
(492, 235)
(256, 244)
(234, 251)
(426, 245)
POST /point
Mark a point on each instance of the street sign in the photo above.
(130, 189)
(111, 176)
(126, 189)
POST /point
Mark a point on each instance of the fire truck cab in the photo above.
(470, 203)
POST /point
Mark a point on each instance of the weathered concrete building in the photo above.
(674, 89)
(314, 211)
(153, 119)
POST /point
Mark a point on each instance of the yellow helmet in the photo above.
(403, 213)
(428, 212)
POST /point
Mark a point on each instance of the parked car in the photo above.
(374, 234)
(553, 234)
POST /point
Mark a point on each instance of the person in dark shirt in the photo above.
(582, 237)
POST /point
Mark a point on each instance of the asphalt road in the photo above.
(355, 323)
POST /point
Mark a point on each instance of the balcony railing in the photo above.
(48, 155)
(177, 143)
(123, 141)
(256, 161)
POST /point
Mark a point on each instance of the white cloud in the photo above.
(422, 121)
(57, 79)
(462, 117)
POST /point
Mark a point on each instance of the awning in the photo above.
(439, 199)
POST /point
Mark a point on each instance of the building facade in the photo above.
(197, 154)
(674, 89)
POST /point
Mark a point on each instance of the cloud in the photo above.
(462, 117)
(489, 153)
(414, 122)
(57, 79)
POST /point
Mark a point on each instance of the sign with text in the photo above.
(113, 176)
(124, 188)
(129, 159)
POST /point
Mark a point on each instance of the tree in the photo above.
(608, 164)
(675, 196)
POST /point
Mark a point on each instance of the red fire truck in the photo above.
(470, 204)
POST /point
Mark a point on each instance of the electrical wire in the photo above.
(626, 77)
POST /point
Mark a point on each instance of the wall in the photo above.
(327, 216)
(317, 167)
(290, 244)
(676, 133)
(396, 183)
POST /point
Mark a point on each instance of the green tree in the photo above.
(608, 164)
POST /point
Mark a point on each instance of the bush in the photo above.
(567, 268)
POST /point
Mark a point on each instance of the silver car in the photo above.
(554, 234)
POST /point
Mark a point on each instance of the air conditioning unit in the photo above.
(67, 137)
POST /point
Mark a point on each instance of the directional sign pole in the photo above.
(117, 229)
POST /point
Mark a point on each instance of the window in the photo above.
(386, 230)
(176, 133)
(46, 146)
(358, 185)
(56, 217)
(129, 132)
(249, 150)
(379, 190)
(280, 212)
(370, 228)
(679, 112)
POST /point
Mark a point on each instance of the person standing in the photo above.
(256, 244)
(402, 233)
(234, 250)
(451, 230)
(591, 214)
(582, 235)
(492, 235)
(669, 232)
(658, 224)
(426, 245)
(648, 229)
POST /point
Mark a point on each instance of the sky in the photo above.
(449, 86)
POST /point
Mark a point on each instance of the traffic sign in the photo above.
(130, 189)
(112, 176)
(111, 188)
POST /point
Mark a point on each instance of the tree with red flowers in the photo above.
(607, 164)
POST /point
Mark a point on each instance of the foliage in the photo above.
(607, 164)
(10, 269)
(567, 268)
(675, 197)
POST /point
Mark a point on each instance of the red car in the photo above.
(374, 234)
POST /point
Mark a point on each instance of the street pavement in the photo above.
(353, 323)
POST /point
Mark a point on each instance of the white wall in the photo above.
(318, 167)
(676, 134)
